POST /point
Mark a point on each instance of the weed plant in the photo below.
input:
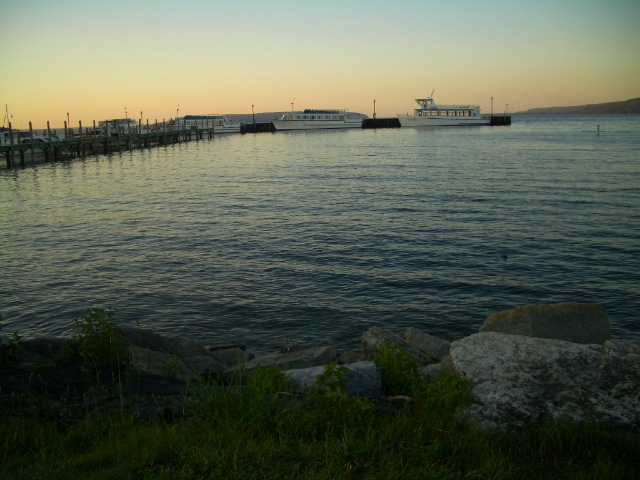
(258, 427)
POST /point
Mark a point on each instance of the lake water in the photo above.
(320, 235)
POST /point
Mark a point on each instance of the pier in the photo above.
(90, 141)
(93, 141)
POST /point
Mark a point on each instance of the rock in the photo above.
(157, 363)
(433, 347)
(362, 380)
(232, 356)
(347, 357)
(204, 365)
(45, 347)
(520, 380)
(431, 371)
(585, 323)
(305, 358)
(375, 337)
(447, 364)
(180, 346)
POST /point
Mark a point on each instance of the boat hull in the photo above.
(314, 124)
(417, 121)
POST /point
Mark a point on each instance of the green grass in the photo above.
(258, 428)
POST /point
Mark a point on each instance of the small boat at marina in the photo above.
(117, 126)
(319, 119)
(430, 114)
(219, 123)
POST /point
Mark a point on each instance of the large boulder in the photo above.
(175, 345)
(362, 379)
(304, 358)
(375, 337)
(434, 347)
(520, 380)
(151, 362)
(574, 322)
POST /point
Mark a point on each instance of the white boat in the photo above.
(22, 136)
(429, 114)
(219, 123)
(319, 119)
(123, 126)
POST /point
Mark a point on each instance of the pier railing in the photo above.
(16, 144)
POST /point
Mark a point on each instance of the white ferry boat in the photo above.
(220, 123)
(429, 114)
(319, 119)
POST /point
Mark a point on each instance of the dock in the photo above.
(381, 123)
(89, 142)
(500, 120)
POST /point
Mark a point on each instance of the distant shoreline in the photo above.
(631, 106)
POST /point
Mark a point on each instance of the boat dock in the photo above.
(90, 142)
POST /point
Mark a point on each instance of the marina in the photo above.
(109, 136)
(124, 134)
(319, 235)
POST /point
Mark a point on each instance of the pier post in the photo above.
(31, 140)
(81, 143)
(66, 137)
(49, 151)
(95, 140)
(10, 157)
(106, 136)
(118, 136)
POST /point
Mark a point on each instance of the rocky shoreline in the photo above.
(526, 365)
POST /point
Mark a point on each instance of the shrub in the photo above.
(96, 339)
(400, 372)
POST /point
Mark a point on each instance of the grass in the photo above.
(257, 428)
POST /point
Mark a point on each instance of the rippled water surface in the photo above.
(319, 235)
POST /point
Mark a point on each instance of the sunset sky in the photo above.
(94, 59)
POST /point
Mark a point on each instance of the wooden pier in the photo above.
(89, 142)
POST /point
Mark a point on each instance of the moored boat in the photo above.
(430, 114)
(319, 119)
(219, 123)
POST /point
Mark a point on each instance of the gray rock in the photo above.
(305, 358)
(433, 347)
(520, 380)
(203, 364)
(175, 345)
(347, 357)
(362, 380)
(375, 337)
(149, 361)
(231, 357)
(46, 347)
(579, 323)
(431, 371)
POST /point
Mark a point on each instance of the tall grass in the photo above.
(258, 427)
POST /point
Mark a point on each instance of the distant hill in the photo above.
(616, 108)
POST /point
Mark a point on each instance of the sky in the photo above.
(92, 60)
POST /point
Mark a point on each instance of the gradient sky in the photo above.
(93, 59)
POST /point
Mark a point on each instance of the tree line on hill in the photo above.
(616, 108)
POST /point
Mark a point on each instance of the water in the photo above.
(320, 235)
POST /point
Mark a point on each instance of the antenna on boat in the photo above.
(432, 93)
